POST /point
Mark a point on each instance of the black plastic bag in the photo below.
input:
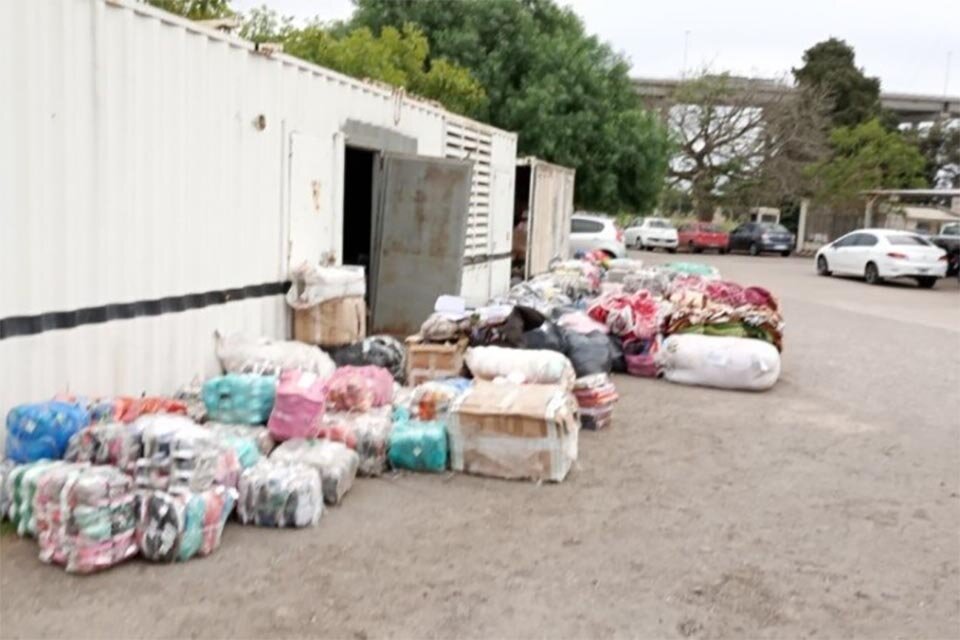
(588, 352)
(509, 332)
(382, 351)
(546, 336)
(617, 360)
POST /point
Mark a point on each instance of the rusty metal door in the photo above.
(419, 226)
(550, 208)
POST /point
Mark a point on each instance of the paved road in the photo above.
(827, 507)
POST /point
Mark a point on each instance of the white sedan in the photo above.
(879, 254)
(650, 233)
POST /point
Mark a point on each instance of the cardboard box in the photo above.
(432, 361)
(514, 431)
(332, 323)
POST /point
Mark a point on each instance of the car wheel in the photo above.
(674, 250)
(785, 254)
(822, 267)
(926, 282)
(690, 247)
(723, 252)
(754, 249)
(871, 274)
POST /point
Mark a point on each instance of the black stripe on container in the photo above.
(32, 325)
(486, 258)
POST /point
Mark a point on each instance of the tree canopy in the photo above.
(830, 66)
(568, 95)
(195, 9)
(867, 156)
(939, 144)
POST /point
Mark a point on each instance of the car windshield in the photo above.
(951, 230)
(660, 224)
(774, 228)
(712, 228)
(907, 240)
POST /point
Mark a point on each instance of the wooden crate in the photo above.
(432, 361)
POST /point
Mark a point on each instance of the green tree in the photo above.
(568, 95)
(396, 56)
(196, 9)
(867, 156)
(830, 67)
(940, 146)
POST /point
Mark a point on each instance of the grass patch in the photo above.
(7, 528)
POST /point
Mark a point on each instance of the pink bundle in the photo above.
(299, 405)
(628, 315)
(730, 293)
(359, 388)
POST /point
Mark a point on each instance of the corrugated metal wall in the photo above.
(144, 157)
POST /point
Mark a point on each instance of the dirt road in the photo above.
(828, 507)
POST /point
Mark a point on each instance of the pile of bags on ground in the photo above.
(283, 433)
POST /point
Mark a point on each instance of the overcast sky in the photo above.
(904, 43)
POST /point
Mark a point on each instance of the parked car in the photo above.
(949, 240)
(699, 236)
(760, 237)
(650, 233)
(878, 254)
(591, 232)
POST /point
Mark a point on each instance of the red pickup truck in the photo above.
(697, 236)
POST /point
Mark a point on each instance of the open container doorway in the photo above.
(358, 167)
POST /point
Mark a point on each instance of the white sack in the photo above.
(531, 366)
(716, 361)
(242, 354)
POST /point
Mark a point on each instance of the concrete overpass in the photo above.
(907, 107)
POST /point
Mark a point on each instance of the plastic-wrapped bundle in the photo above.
(191, 395)
(589, 353)
(595, 396)
(379, 351)
(726, 363)
(366, 433)
(693, 269)
(619, 269)
(240, 398)
(419, 446)
(242, 354)
(577, 278)
(526, 365)
(581, 323)
(441, 328)
(179, 524)
(641, 356)
(280, 494)
(653, 280)
(113, 443)
(636, 315)
(259, 436)
(540, 293)
(312, 284)
(546, 336)
(177, 451)
(359, 388)
(336, 463)
(22, 487)
(432, 400)
(6, 467)
(42, 430)
(86, 517)
(299, 405)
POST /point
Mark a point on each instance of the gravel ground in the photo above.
(829, 506)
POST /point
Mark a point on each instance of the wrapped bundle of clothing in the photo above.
(541, 293)
(86, 517)
(42, 430)
(634, 315)
(240, 398)
(514, 431)
(6, 467)
(21, 487)
(432, 400)
(179, 524)
(595, 396)
(704, 271)
(547, 336)
(113, 443)
(725, 363)
(417, 445)
(641, 356)
(653, 280)
(619, 269)
(725, 309)
(378, 351)
(577, 278)
(124, 408)
(366, 433)
(520, 365)
(334, 461)
(503, 325)
(589, 353)
(328, 303)
(359, 388)
(266, 356)
(249, 441)
(191, 395)
(442, 327)
(280, 494)
(299, 405)
(311, 285)
(177, 452)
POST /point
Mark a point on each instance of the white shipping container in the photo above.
(544, 195)
(158, 179)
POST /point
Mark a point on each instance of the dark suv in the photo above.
(758, 237)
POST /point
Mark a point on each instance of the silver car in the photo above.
(592, 232)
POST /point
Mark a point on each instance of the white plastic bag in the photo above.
(532, 366)
(722, 362)
(312, 284)
(242, 354)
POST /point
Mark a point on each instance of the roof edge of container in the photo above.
(411, 100)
